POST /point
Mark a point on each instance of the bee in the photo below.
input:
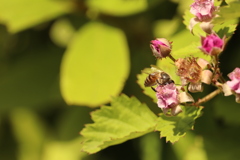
(157, 77)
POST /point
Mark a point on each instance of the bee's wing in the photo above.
(147, 71)
(151, 70)
(155, 69)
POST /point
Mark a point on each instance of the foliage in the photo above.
(59, 60)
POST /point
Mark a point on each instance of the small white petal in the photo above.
(226, 90)
(176, 110)
(202, 63)
(206, 76)
(185, 97)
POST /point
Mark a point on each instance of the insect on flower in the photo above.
(157, 76)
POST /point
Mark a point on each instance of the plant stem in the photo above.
(208, 97)
(171, 57)
(217, 70)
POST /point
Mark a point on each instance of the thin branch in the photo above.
(207, 97)
(171, 57)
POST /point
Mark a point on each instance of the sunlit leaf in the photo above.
(191, 147)
(23, 14)
(95, 65)
(173, 128)
(165, 28)
(29, 132)
(227, 28)
(229, 12)
(197, 30)
(120, 7)
(151, 147)
(68, 149)
(125, 119)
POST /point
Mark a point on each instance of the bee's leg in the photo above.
(158, 82)
(154, 89)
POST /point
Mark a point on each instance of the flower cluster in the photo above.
(193, 71)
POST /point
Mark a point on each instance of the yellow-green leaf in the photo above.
(125, 119)
(95, 65)
(120, 7)
(18, 15)
(173, 128)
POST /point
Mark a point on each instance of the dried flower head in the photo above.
(161, 47)
(191, 70)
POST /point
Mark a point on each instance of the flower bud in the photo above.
(212, 44)
(161, 47)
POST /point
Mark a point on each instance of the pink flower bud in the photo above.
(161, 47)
(212, 44)
(234, 84)
(203, 10)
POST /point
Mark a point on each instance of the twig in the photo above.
(207, 97)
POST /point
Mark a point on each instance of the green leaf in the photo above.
(151, 147)
(120, 7)
(173, 128)
(30, 135)
(226, 29)
(68, 149)
(125, 119)
(229, 12)
(23, 14)
(197, 30)
(95, 65)
(166, 28)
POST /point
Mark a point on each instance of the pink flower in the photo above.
(203, 10)
(161, 47)
(212, 44)
(167, 96)
(234, 84)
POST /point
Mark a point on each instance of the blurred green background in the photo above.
(61, 58)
